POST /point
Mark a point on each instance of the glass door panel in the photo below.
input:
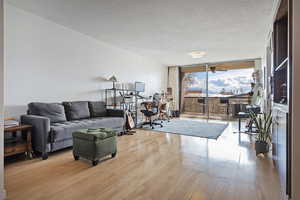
(194, 94)
(228, 92)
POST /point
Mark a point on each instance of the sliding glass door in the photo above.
(216, 93)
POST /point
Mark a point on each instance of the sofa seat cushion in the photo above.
(64, 130)
(77, 110)
(94, 134)
(109, 122)
(54, 111)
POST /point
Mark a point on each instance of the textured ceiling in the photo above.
(166, 30)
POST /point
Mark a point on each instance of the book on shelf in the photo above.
(10, 123)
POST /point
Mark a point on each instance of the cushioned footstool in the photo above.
(94, 144)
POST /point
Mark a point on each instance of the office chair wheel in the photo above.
(95, 162)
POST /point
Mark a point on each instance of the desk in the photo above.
(18, 142)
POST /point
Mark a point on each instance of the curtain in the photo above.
(174, 84)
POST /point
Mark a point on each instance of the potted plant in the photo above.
(263, 124)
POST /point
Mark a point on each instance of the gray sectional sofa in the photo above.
(54, 123)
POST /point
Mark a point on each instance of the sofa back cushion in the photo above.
(97, 109)
(54, 111)
(77, 110)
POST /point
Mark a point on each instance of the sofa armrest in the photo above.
(115, 113)
(40, 132)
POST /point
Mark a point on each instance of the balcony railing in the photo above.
(217, 106)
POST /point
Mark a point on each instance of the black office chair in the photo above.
(150, 111)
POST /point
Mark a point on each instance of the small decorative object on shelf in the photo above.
(10, 122)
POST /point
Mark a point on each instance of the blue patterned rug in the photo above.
(192, 128)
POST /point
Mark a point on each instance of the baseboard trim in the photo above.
(2, 194)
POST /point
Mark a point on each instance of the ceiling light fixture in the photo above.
(197, 54)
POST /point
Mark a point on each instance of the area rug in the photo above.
(192, 128)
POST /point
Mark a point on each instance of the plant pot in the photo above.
(261, 147)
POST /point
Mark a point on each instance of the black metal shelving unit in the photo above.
(114, 100)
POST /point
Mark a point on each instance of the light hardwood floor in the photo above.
(152, 165)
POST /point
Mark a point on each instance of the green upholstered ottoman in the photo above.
(93, 144)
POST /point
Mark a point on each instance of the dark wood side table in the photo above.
(17, 140)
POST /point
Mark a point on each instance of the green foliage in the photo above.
(263, 124)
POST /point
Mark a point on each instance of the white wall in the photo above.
(51, 63)
(2, 192)
(296, 105)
